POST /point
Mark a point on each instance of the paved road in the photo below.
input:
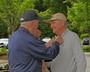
(3, 62)
(88, 62)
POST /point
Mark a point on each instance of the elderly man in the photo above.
(26, 51)
(71, 57)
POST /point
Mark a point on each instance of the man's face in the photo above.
(56, 25)
(35, 29)
(35, 24)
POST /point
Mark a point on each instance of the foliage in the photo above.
(3, 51)
(45, 28)
(79, 16)
(3, 30)
(56, 5)
(84, 36)
(11, 11)
(86, 48)
(26, 5)
(5, 67)
(38, 5)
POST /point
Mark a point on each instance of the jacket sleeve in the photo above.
(38, 49)
(78, 54)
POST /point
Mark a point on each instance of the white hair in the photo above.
(24, 22)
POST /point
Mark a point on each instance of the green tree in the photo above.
(79, 16)
(9, 14)
(45, 28)
(57, 5)
(11, 10)
(3, 29)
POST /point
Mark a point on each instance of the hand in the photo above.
(49, 43)
(59, 39)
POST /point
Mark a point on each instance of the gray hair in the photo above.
(24, 22)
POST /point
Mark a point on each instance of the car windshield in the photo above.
(85, 39)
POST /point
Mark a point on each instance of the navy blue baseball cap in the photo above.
(29, 15)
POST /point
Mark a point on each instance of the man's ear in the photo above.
(63, 23)
(30, 24)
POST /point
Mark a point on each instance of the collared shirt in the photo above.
(71, 57)
(26, 52)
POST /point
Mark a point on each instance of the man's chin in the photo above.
(54, 32)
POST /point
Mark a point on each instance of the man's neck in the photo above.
(34, 32)
(29, 29)
(62, 31)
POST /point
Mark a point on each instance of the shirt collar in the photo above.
(24, 29)
(65, 32)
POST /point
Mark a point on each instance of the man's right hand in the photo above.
(59, 39)
(49, 43)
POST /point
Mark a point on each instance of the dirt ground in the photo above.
(3, 57)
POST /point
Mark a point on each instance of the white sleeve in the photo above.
(78, 54)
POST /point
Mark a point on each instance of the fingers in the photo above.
(59, 39)
(49, 43)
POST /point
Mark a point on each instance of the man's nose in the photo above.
(51, 26)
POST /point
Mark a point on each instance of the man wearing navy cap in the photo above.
(26, 51)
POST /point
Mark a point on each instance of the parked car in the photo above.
(85, 41)
(4, 42)
(2, 45)
(46, 39)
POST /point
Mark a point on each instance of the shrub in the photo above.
(4, 67)
(86, 48)
(84, 36)
(3, 51)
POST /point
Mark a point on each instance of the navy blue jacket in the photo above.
(26, 52)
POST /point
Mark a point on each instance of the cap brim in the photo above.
(47, 21)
